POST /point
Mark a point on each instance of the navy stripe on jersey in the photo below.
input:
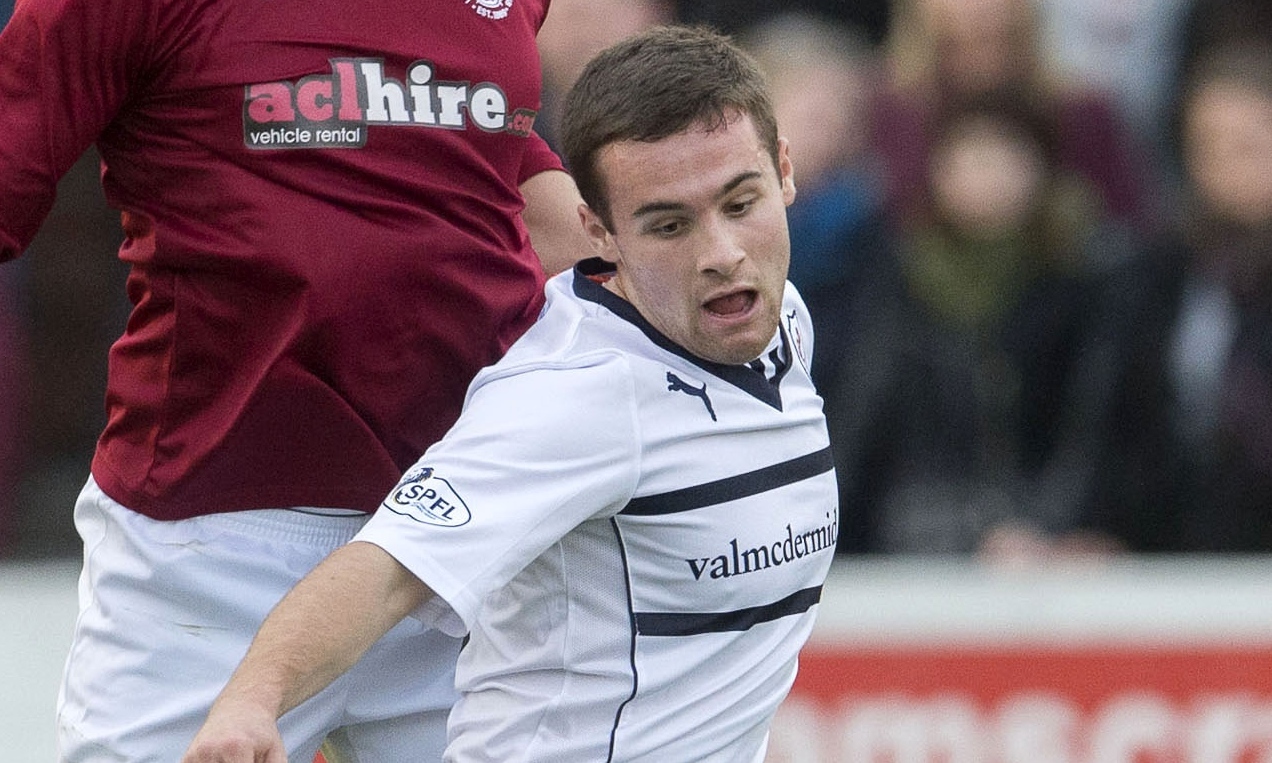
(695, 623)
(741, 376)
(732, 488)
(627, 576)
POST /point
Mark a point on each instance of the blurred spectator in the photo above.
(1128, 49)
(969, 417)
(1210, 23)
(574, 32)
(1195, 408)
(822, 76)
(734, 16)
(943, 50)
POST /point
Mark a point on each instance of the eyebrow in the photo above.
(674, 206)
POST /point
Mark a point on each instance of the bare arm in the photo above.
(316, 633)
(552, 217)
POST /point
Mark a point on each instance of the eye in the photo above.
(739, 207)
(666, 228)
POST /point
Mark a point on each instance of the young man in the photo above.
(328, 212)
(635, 513)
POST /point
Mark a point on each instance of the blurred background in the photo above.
(1036, 240)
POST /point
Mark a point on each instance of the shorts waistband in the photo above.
(301, 524)
(289, 524)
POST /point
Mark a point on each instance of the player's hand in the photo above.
(237, 735)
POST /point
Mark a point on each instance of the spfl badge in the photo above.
(429, 499)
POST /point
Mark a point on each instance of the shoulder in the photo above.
(569, 331)
(572, 357)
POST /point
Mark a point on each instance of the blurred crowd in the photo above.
(1035, 237)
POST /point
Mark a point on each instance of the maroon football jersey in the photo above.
(320, 203)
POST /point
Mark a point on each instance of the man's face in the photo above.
(986, 177)
(699, 236)
(1228, 150)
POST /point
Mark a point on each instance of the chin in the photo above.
(737, 354)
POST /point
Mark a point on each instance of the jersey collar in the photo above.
(590, 274)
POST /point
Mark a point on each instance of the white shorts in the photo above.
(166, 611)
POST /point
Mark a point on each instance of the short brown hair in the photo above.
(654, 85)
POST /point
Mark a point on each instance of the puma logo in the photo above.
(676, 384)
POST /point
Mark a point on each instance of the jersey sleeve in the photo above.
(538, 157)
(533, 455)
(66, 68)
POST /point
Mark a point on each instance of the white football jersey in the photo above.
(634, 538)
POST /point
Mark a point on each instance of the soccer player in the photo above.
(634, 515)
(323, 211)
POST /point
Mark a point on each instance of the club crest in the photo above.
(796, 338)
(491, 9)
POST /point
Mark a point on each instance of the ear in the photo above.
(598, 236)
(786, 171)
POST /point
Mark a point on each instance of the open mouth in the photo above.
(732, 304)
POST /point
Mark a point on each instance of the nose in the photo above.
(722, 250)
